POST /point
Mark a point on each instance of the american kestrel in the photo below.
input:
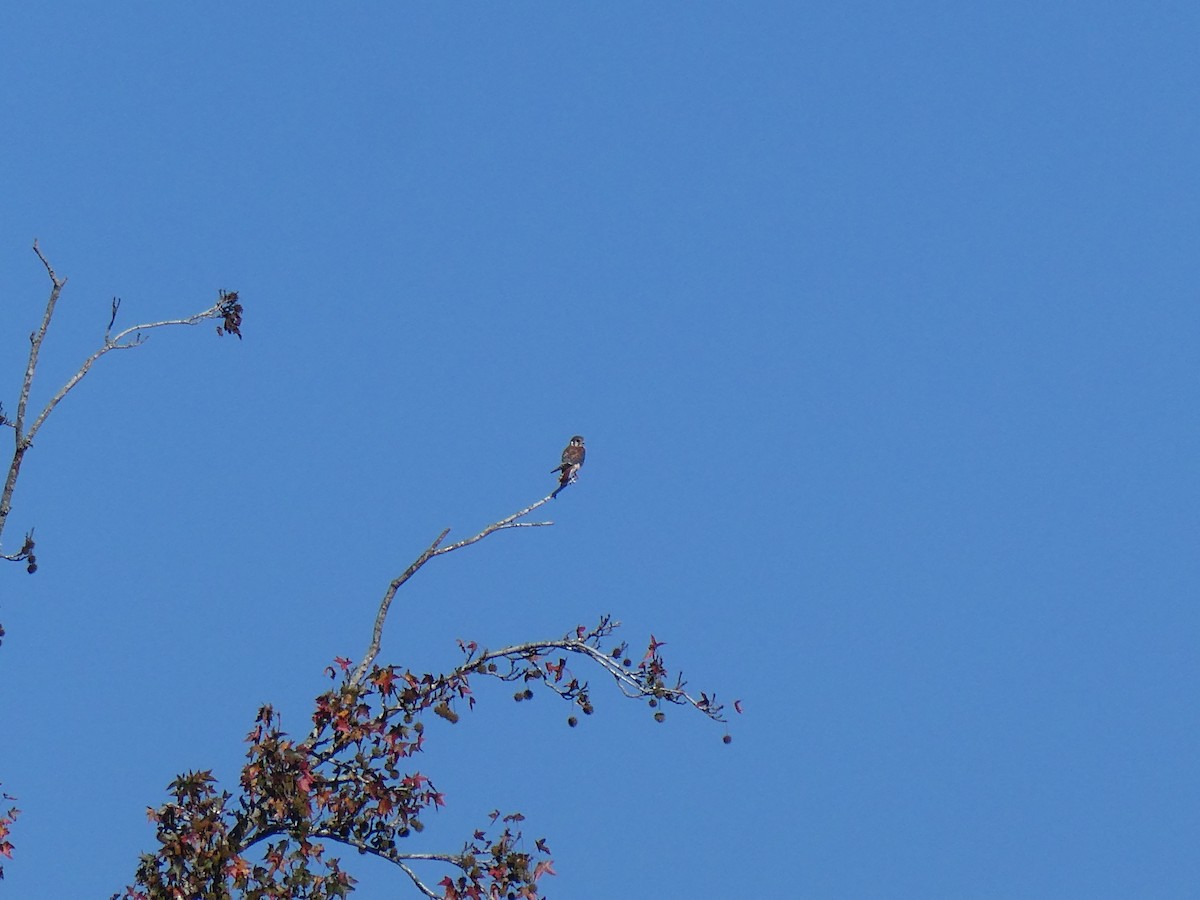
(572, 461)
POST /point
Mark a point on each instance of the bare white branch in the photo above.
(434, 549)
(393, 856)
(510, 522)
(115, 343)
(125, 340)
(20, 439)
(421, 886)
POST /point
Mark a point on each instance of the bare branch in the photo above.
(36, 339)
(226, 308)
(510, 522)
(421, 886)
(21, 440)
(393, 856)
(257, 837)
(115, 343)
(377, 632)
(434, 549)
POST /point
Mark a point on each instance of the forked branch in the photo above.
(227, 308)
(434, 549)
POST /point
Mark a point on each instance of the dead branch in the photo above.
(226, 308)
(434, 549)
(421, 886)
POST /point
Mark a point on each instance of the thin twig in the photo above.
(434, 549)
(510, 522)
(36, 339)
(377, 632)
(453, 858)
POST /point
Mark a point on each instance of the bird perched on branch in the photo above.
(572, 461)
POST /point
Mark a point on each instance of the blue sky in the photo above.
(880, 321)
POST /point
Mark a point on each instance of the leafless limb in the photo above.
(399, 860)
(421, 886)
(434, 549)
(117, 342)
(127, 339)
(394, 856)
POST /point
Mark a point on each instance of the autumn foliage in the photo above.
(354, 781)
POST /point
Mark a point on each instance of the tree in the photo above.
(352, 780)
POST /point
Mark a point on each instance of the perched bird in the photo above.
(572, 460)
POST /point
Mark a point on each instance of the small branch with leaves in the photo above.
(7, 818)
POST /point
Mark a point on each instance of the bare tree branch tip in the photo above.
(49, 268)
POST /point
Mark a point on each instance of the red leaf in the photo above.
(383, 680)
(545, 867)
(737, 705)
(237, 868)
(343, 663)
(653, 650)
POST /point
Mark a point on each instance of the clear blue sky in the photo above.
(880, 321)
